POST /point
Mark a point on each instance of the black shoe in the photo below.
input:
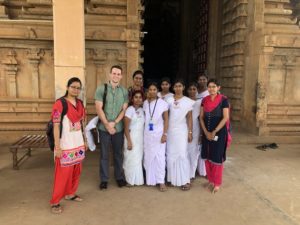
(103, 185)
(273, 145)
(121, 183)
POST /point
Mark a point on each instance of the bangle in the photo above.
(190, 132)
(165, 134)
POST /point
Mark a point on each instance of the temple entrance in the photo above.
(175, 39)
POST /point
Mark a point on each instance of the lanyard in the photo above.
(151, 114)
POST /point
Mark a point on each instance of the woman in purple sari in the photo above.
(214, 120)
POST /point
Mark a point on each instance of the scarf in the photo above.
(75, 114)
(209, 105)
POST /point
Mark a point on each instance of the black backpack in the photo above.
(49, 128)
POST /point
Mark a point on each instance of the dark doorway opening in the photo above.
(175, 39)
(162, 38)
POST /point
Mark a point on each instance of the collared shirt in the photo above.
(115, 100)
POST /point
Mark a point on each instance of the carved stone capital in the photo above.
(10, 58)
(35, 55)
(99, 56)
(121, 56)
(11, 63)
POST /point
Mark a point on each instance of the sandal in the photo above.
(273, 145)
(262, 147)
(162, 187)
(186, 187)
(215, 189)
(129, 185)
(75, 198)
(56, 209)
(209, 186)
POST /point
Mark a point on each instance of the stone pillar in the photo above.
(133, 40)
(100, 60)
(34, 56)
(69, 43)
(11, 69)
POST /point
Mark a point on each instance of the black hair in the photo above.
(202, 75)
(179, 81)
(165, 79)
(215, 81)
(116, 67)
(138, 72)
(133, 94)
(152, 84)
(195, 84)
(71, 81)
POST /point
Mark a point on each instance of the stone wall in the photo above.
(232, 59)
(278, 98)
(27, 63)
(259, 64)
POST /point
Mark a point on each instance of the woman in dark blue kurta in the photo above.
(214, 117)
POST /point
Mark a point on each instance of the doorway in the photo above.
(175, 39)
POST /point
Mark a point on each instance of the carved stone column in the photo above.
(99, 58)
(290, 62)
(262, 90)
(132, 37)
(11, 69)
(122, 61)
(34, 56)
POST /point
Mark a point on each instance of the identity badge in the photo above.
(151, 125)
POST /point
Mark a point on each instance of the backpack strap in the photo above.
(104, 95)
(64, 112)
(81, 102)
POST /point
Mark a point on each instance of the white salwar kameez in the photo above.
(133, 167)
(178, 165)
(154, 150)
(193, 147)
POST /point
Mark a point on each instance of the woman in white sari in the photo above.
(155, 136)
(179, 134)
(165, 85)
(194, 148)
(133, 143)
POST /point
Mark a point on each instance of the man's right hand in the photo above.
(110, 130)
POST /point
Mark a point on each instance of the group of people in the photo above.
(157, 137)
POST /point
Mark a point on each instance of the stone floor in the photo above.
(260, 187)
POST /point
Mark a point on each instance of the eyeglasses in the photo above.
(77, 88)
(212, 86)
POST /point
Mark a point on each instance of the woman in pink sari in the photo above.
(214, 120)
